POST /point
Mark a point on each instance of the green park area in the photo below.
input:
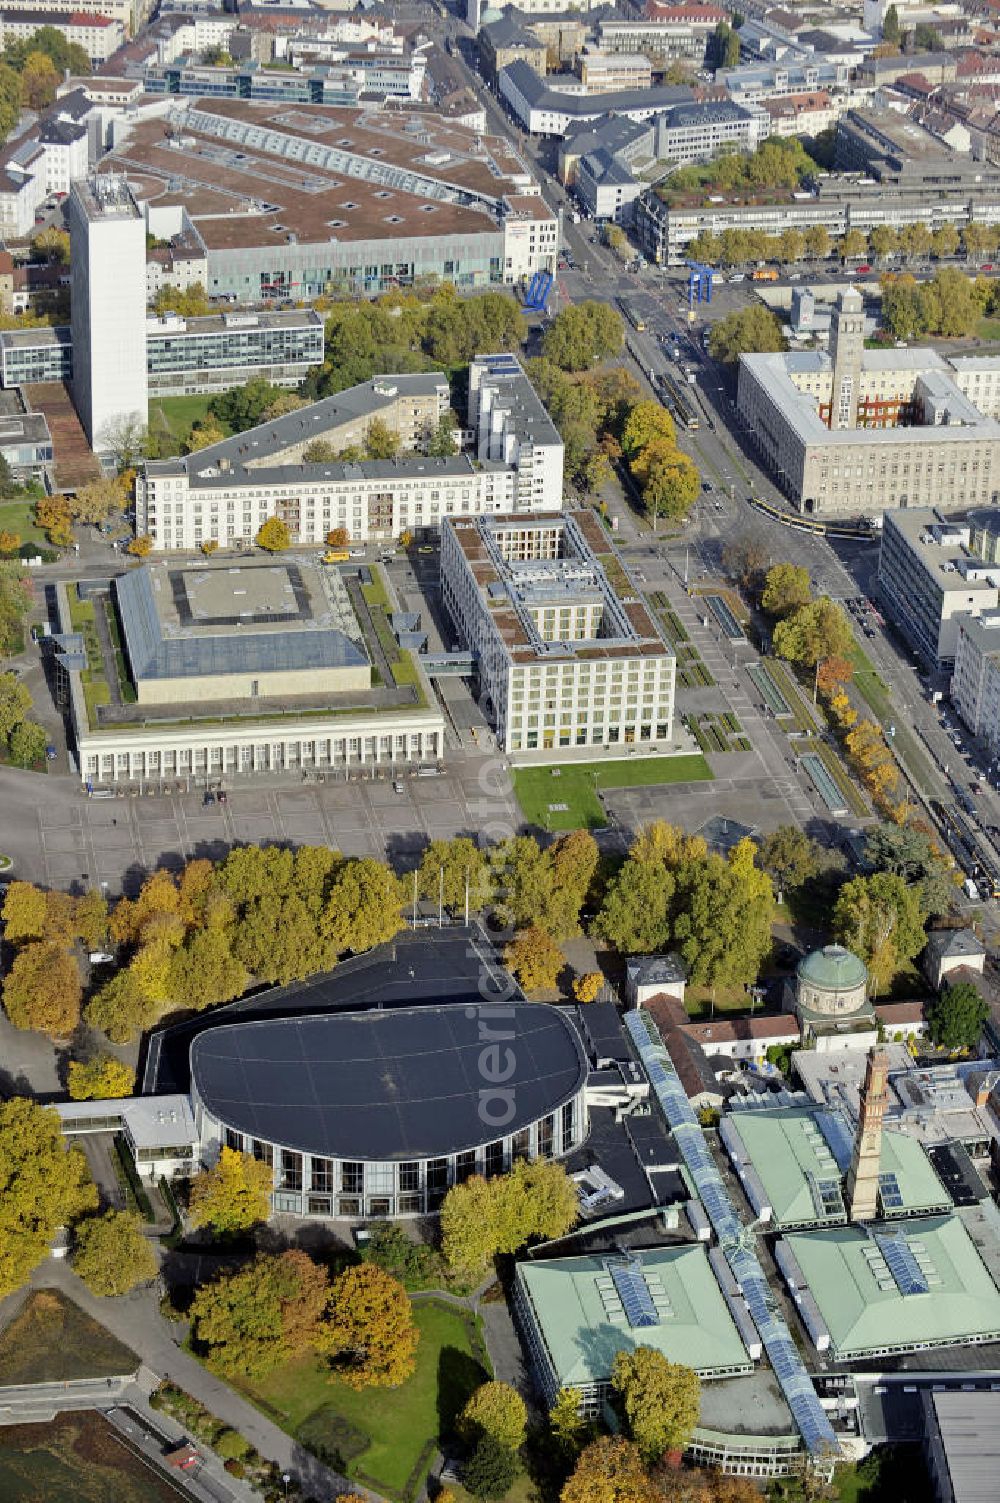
(384, 1438)
(15, 517)
(51, 1340)
(181, 413)
(566, 797)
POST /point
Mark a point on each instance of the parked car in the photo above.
(208, 798)
(50, 753)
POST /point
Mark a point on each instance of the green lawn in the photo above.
(383, 1437)
(575, 784)
(182, 413)
(988, 328)
(15, 516)
(51, 1340)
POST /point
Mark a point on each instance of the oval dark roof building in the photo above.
(410, 1083)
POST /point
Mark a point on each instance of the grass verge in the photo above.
(181, 413)
(876, 696)
(576, 785)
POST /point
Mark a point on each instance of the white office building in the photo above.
(108, 260)
(225, 492)
(932, 579)
(568, 654)
(975, 684)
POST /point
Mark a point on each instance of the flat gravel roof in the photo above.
(400, 1084)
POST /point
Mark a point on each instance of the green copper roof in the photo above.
(574, 1312)
(833, 968)
(865, 1317)
(790, 1153)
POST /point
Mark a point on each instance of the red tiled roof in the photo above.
(900, 1012)
(735, 1030)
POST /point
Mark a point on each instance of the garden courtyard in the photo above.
(384, 1438)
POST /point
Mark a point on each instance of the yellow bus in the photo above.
(336, 556)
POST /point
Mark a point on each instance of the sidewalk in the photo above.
(136, 1320)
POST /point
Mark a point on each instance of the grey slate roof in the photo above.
(536, 91)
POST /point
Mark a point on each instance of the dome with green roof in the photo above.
(832, 980)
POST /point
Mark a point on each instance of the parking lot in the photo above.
(70, 841)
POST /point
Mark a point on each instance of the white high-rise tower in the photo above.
(108, 313)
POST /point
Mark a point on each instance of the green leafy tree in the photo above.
(817, 239)
(121, 1008)
(369, 1332)
(27, 743)
(660, 1400)
(252, 1319)
(724, 910)
(15, 702)
(441, 444)
(99, 1079)
(891, 29)
(243, 407)
(853, 245)
(880, 918)
(635, 913)
(365, 906)
(204, 971)
(465, 872)
(583, 334)
(494, 1409)
(44, 1184)
(491, 1470)
(911, 854)
(534, 958)
(273, 535)
(669, 481)
(232, 1196)
(111, 1253)
(521, 877)
(40, 79)
(813, 632)
(955, 1018)
(790, 857)
(42, 990)
(381, 442)
(786, 588)
(752, 331)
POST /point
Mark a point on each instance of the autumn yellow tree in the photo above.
(369, 1334)
(42, 990)
(481, 1218)
(141, 546)
(44, 1184)
(233, 1195)
(495, 1409)
(97, 499)
(53, 516)
(23, 912)
(609, 1470)
(338, 537)
(535, 959)
(112, 1254)
(587, 986)
(99, 1078)
(9, 542)
(273, 535)
(667, 844)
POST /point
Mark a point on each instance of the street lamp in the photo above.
(286, 1477)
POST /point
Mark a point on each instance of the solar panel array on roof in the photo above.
(810, 1417)
(637, 1302)
(891, 1194)
(902, 1263)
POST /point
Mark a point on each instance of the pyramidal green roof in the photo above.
(833, 968)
